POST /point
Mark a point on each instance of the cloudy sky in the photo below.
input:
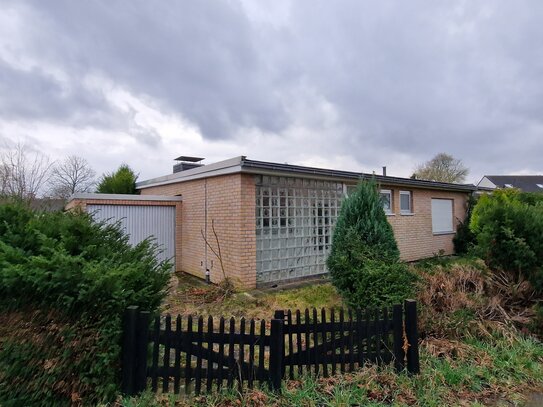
(343, 84)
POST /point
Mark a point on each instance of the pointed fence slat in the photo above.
(307, 341)
(351, 341)
(324, 334)
(231, 360)
(252, 338)
(166, 359)
(316, 341)
(178, 338)
(299, 343)
(220, 356)
(198, 370)
(333, 339)
(342, 340)
(209, 377)
(188, 360)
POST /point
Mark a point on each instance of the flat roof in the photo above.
(124, 197)
(242, 165)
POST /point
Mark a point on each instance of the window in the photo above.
(405, 202)
(386, 198)
(442, 216)
(508, 185)
(540, 186)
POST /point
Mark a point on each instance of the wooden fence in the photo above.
(194, 353)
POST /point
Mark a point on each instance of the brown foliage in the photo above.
(460, 298)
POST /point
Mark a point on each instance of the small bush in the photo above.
(364, 262)
(508, 226)
(72, 279)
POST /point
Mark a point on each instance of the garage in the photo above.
(141, 217)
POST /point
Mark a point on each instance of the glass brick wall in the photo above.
(294, 222)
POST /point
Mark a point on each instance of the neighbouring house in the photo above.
(526, 183)
(274, 222)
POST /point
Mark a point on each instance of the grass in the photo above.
(190, 298)
(465, 360)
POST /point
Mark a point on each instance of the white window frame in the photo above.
(388, 211)
(442, 222)
(408, 211)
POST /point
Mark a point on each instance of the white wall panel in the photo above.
(141, 222)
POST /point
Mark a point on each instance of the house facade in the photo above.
(274, 222)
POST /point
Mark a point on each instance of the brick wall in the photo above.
(230, 204)
(414, 232)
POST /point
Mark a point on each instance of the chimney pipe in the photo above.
(384, 171)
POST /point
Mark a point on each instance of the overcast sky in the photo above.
(349, 85)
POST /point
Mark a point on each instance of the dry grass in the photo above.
(466, 298)
(192, 296)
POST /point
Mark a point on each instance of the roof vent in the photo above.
(186, 163)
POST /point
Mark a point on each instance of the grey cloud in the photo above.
(413, 78)
(198, 58)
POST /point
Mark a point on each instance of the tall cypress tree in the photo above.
(364, 262)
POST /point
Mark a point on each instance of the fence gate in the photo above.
(195, 353)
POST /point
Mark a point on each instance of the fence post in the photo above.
(128, 347)
(277, 345)
(142, 342)
(397, 323)
(411, 332)
(280, 314)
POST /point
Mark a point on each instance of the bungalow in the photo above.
(274, 222)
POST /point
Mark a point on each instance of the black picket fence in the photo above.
(197, 354)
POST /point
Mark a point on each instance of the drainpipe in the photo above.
(207, 274)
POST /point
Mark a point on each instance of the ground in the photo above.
(472, 354)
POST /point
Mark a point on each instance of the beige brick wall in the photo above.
(414, 232)
(230, 204)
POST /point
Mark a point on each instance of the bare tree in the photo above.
(72, 175)
(24, 173)
(444, 168)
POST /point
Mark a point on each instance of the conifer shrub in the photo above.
(65, 282)
(464, 239)
(508, 226)
(364, 262)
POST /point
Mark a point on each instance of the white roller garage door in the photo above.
(141, 222)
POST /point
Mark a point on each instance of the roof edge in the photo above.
(124, 197)
(208, 170)
(253, 166)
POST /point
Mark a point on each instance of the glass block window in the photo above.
(294, 222)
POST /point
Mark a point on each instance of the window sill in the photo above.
(407, 213)
(390, 214)
(444, 233)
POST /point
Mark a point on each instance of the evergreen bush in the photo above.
(67, 281)
(364, 262)
(122, 181)
(508, 226)
(464, 239)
